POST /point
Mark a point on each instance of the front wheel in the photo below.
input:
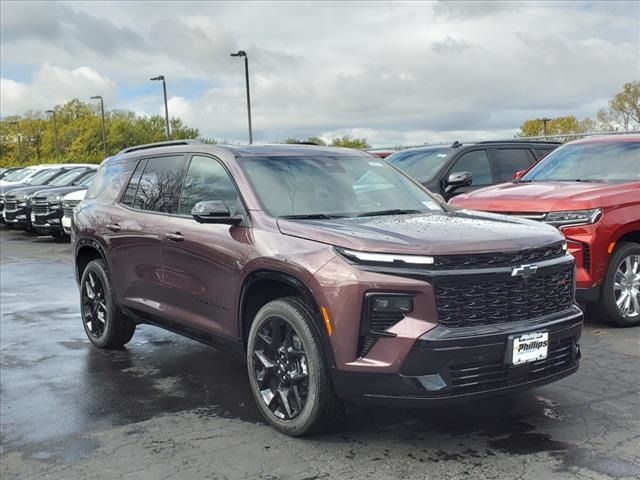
(104, 323)
(620, 302)
(287, 369)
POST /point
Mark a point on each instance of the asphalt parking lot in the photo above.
(167, 407)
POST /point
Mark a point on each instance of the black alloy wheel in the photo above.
(94, 305)
(281, 368)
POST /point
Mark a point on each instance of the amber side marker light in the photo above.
(327, 321)
(611, 246)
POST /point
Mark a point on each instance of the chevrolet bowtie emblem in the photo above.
(524, 271)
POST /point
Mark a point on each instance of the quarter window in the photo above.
(132, 188)
(207, 180)
(159, 184)
(477, 163)
(507, 161)
(109, 180)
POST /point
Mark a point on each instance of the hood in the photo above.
(58, 191)
(5, 189)
(76, 195)
(25, 191)
(544, 196)
(431, 234)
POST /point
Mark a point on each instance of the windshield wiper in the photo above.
(395, 211)
(311, 216)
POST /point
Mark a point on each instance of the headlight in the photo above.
(573, 217)
(22, 204)
(367, 257)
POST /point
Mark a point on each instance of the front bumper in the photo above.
(50, 222)
(17, 218)
(449, 364)
(66, 225)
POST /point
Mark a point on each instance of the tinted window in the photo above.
(589, 162)
(422, 165)
(159, 185)
(132, 188)
(207, 180)
(507, 161)
(345, 186)
(542, 152)
(109, 180)
(477, 163)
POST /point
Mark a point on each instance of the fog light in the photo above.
(433, 383)
(392, 304)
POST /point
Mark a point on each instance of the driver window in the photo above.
(207, 180)
(477, 163)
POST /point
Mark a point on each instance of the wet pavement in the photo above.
(168, 407)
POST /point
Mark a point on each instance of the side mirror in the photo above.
(214, 211)
(457, 180)
(518, 175)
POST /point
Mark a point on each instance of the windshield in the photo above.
(333, 186)
(19, 175)
(589, 162)
(86, 180)
(43, 177)
(421, 164)
(66, 178)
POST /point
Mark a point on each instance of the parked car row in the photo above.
(33, 198)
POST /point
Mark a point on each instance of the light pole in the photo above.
(166, 109)
(544, 124)
(104, 133)
(242, 53)
(17, 124)
(55, 131)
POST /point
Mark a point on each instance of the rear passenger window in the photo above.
(541, 152)
(477, 163)
(207, 180)
(159, 185)
(132, 188)
(507, 161)
(109, 180)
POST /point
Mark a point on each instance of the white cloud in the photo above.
(397, 72)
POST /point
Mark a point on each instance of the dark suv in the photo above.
(453, 169)
(336, 277)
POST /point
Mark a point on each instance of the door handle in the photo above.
(175, 237)
(114, 227)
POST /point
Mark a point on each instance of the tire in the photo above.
(611, 312)
(312, 403)
(105, 325)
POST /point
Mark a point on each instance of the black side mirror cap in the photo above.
(457, 180)
(214, 211)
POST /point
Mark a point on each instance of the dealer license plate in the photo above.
(530, 347)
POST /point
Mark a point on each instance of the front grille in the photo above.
(10, 203)
(40, 209)
(68, 206)
(477, 375)
(499, 259)
(465, 302)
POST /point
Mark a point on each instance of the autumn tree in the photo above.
(557, 126)
(348, 142)
(623, 112)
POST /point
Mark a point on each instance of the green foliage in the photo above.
(29, 139)
(314, 140)
(556, 127)
(348, 142)
(623, 112)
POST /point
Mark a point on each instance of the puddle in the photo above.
(527, 443)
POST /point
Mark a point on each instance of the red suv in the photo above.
(590, 190)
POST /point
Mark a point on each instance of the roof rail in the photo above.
(456, 144)
(519, 140)
(169, 143)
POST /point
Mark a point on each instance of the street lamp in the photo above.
(55, 131)
(166, 109)
(242, 53)
(544, 123)
(104, 133)
(17, 124)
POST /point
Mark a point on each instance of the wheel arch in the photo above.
(262, 286)
(86, 251)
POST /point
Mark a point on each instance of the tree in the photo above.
(556, 127)
(623, 112)
(313, 140)
(348, 142)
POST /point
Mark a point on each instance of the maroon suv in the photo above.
(335, 275)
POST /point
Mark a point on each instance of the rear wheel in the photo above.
(620, 302)
(287, 369)
(105, 325)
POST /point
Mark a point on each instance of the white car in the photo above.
(24, 175)
(69, 201)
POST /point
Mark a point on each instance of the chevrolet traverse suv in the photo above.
(336, 276)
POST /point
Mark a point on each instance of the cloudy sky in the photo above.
(396, 73)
